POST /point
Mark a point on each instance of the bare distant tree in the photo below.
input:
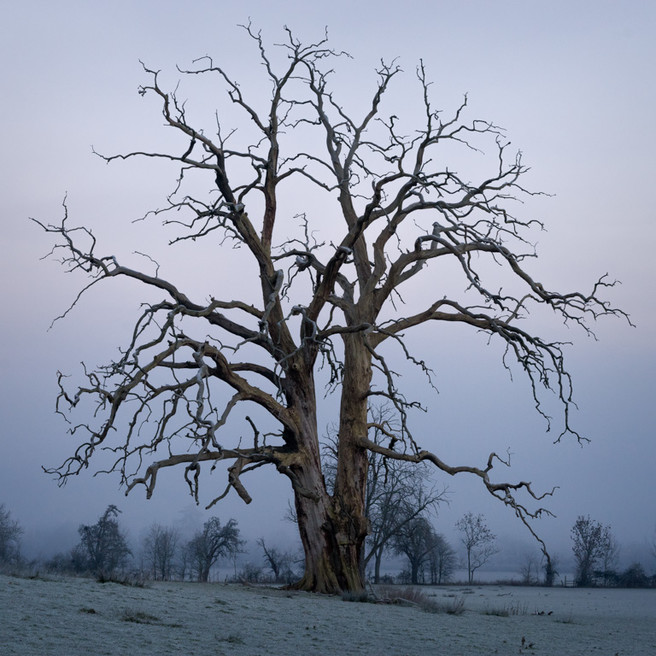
(251, 573)
(413, 540)
(530, 569)
(392, 214)
(103, 549)
(609, 557)
(429, 555)
(281, 563)
(478, 541)
(590, 541)
(183, 562)
(159, 551)
(397, 492)
(441, 559)
(10, 533)
(210, 544)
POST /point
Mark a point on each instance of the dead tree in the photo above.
(478, 541)
(392, 215)
(281, 563)
(159, 551)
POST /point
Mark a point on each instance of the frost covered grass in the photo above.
(81, 617)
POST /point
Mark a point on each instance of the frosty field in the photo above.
(67, 617)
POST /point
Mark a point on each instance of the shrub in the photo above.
(634, 577)
(360, 596)
(410, 596)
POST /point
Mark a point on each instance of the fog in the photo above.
(572, 82)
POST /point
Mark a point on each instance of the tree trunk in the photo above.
(333, 530)
(329, 565)
(414, 571)
(316, 528)
(377, 562)
(352, 458)
(470, 573)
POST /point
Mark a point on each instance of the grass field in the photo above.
(70, 616)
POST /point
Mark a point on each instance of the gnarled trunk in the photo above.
(332, 542)
(330, 565)
(333, 528)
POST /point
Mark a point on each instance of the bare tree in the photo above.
(396, 498)
(281, 563)
(609, 557)
(10, 533)
(413, 540)
(478, 541)
(393, 215)
(590, 541)
(530, 569)
(103, 549)
(210, 544)
(250, 573)
(429, 555)
(159, 550)
(441, 559)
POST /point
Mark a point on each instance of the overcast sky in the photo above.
(571, 81)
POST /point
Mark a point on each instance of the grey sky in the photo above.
(573, 84)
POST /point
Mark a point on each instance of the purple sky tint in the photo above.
(573, 84)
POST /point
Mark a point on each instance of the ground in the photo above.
(55, 616)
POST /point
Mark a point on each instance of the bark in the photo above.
(332, 556)
(352, 458)
(333, 529)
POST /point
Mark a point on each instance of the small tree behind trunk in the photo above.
(210, 544)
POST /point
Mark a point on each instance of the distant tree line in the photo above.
(400, 526)
(103, 551)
